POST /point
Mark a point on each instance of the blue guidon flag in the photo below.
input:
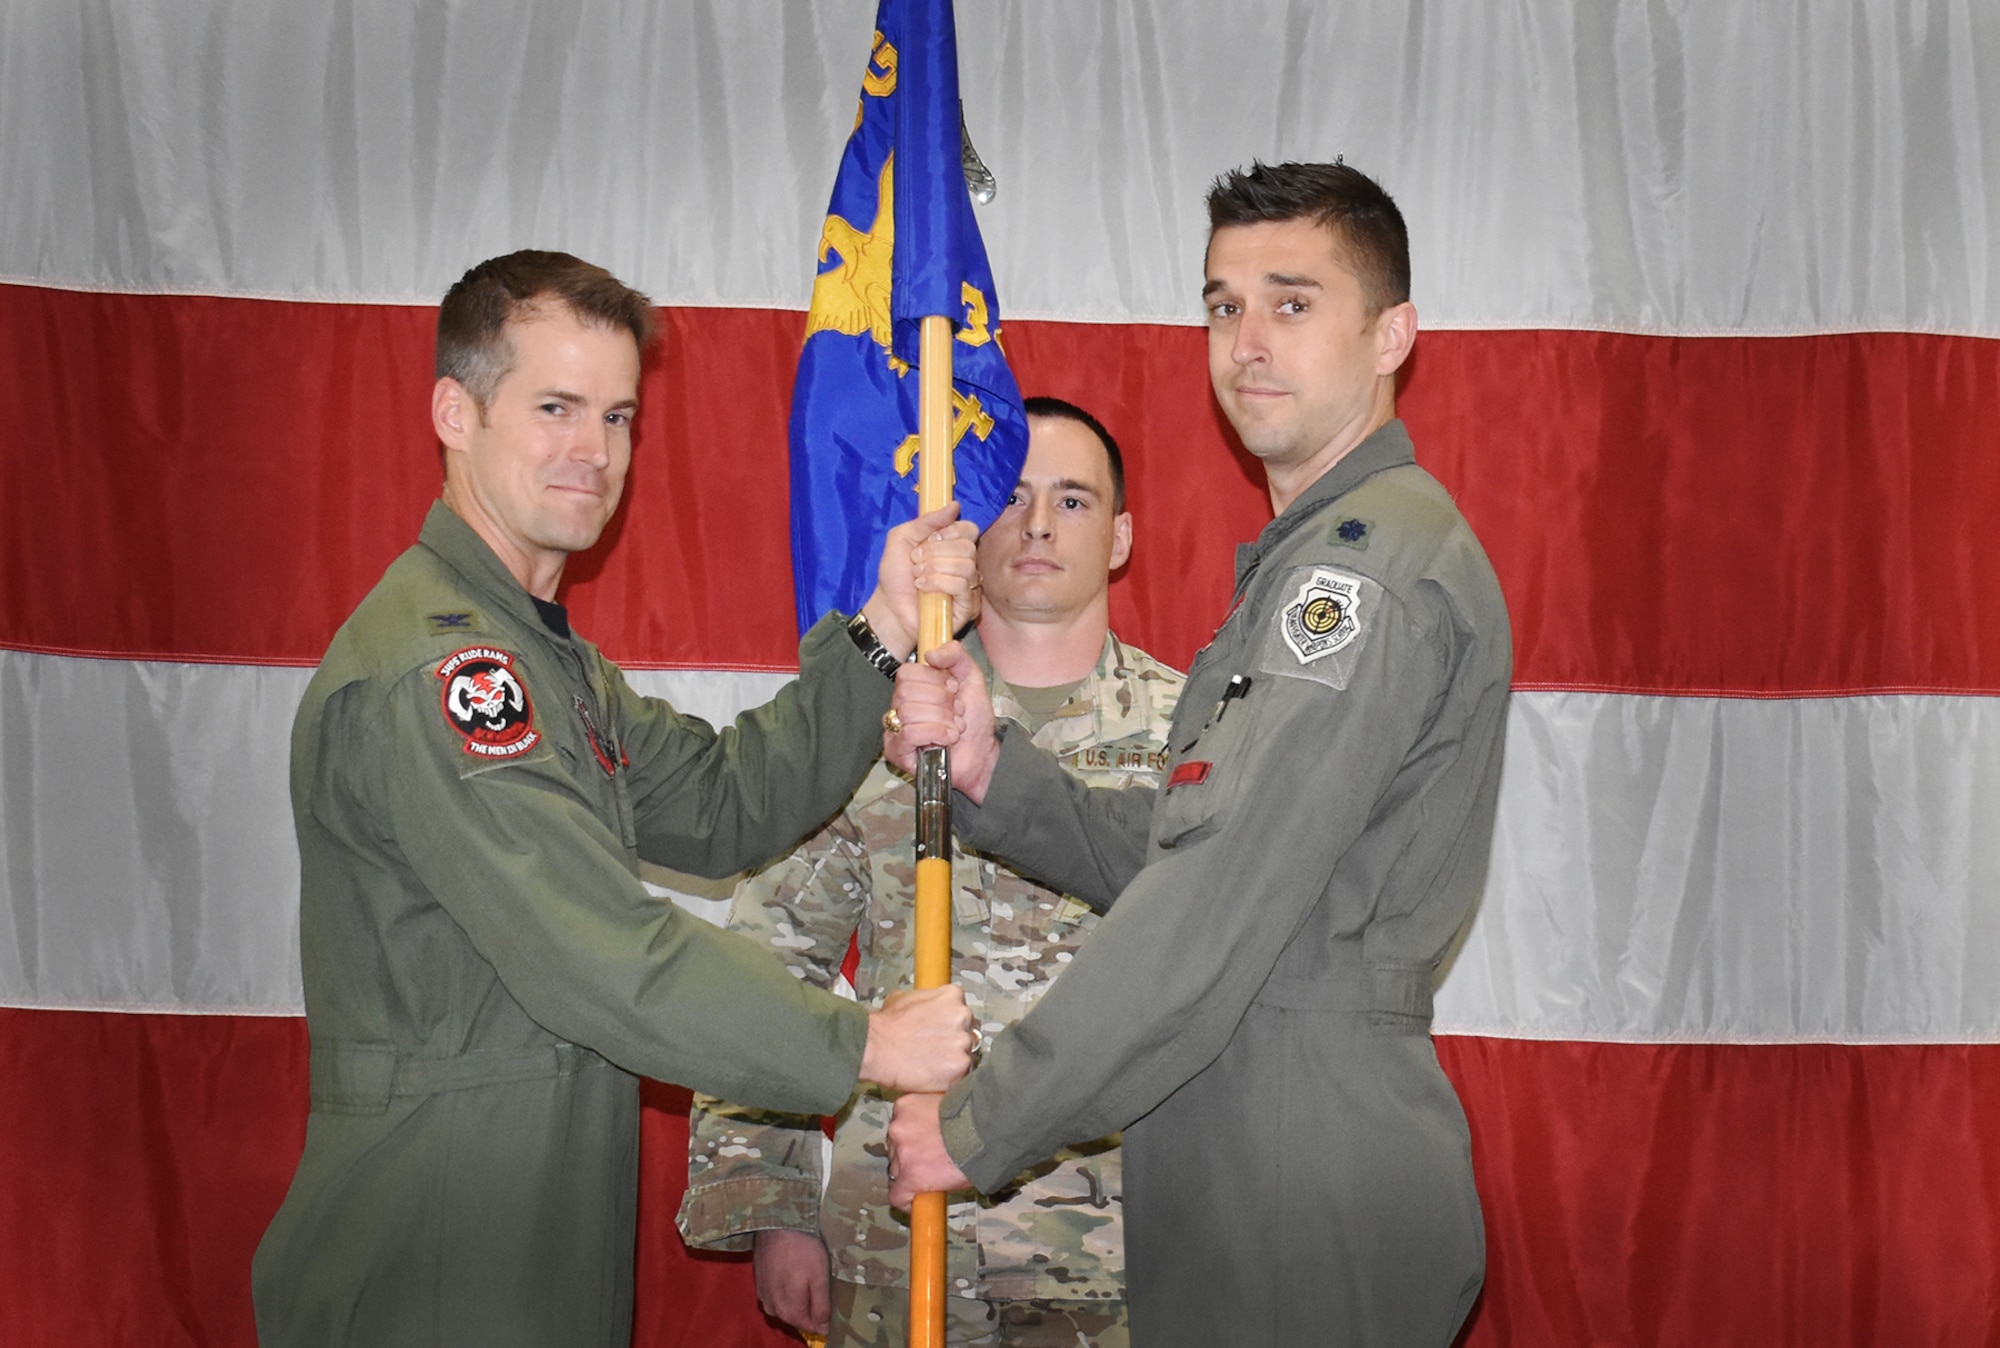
(899, 244)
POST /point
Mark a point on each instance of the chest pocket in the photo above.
(1207, 770)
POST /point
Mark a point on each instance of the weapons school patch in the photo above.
(1324, 616)
(486, 703)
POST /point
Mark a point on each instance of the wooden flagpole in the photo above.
(933, 916)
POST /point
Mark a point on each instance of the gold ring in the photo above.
(892, 722)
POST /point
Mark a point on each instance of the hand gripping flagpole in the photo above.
(902, 284)
(933, 916)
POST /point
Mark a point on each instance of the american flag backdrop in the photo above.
(1710, 356)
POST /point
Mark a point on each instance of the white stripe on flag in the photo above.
(1736, 167)
(146, 828)
(1738, 870)
(1665, 869)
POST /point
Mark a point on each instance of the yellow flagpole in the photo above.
(934, 476)
(933, 917)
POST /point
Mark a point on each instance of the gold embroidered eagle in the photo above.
(853, 297)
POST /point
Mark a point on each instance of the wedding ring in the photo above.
(892, 722)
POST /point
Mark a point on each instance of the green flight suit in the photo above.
(485, 974)
(1255, 1010)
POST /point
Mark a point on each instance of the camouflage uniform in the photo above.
(1055, 1234)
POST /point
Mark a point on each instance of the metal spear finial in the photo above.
(978, 178)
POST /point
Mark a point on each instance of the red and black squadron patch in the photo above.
(486, 702)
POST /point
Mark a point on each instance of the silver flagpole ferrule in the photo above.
(934, 803)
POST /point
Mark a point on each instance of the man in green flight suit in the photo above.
(474, 787)
(1043, 1264)
(1255, 1010)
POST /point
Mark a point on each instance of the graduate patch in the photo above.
(487, 703)
(1324, 616)
(1319, 629)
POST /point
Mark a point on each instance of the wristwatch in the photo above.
(871, 646)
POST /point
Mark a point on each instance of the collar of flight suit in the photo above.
(1387, 446)
(465, 552)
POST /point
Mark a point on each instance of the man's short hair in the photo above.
(472, 345)
(1367, 229)
(1060, 410)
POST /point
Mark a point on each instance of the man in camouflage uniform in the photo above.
(1041, 1261)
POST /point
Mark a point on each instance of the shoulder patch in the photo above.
(1324, 616)
(1322, 625)
(457, 620)
(486, 702)
(1350, 533)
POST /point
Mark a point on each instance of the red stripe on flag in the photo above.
(144, 1157)
(212, 479)
(1803, 1193)
(1730, 1194)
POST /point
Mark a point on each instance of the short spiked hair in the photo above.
(1367, 229)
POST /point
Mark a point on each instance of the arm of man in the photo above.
(714, 803)
(1090, 846)
(1090, 841)
(794, 1279)
(533, 878)
(1293, 775)
(754, 1171)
